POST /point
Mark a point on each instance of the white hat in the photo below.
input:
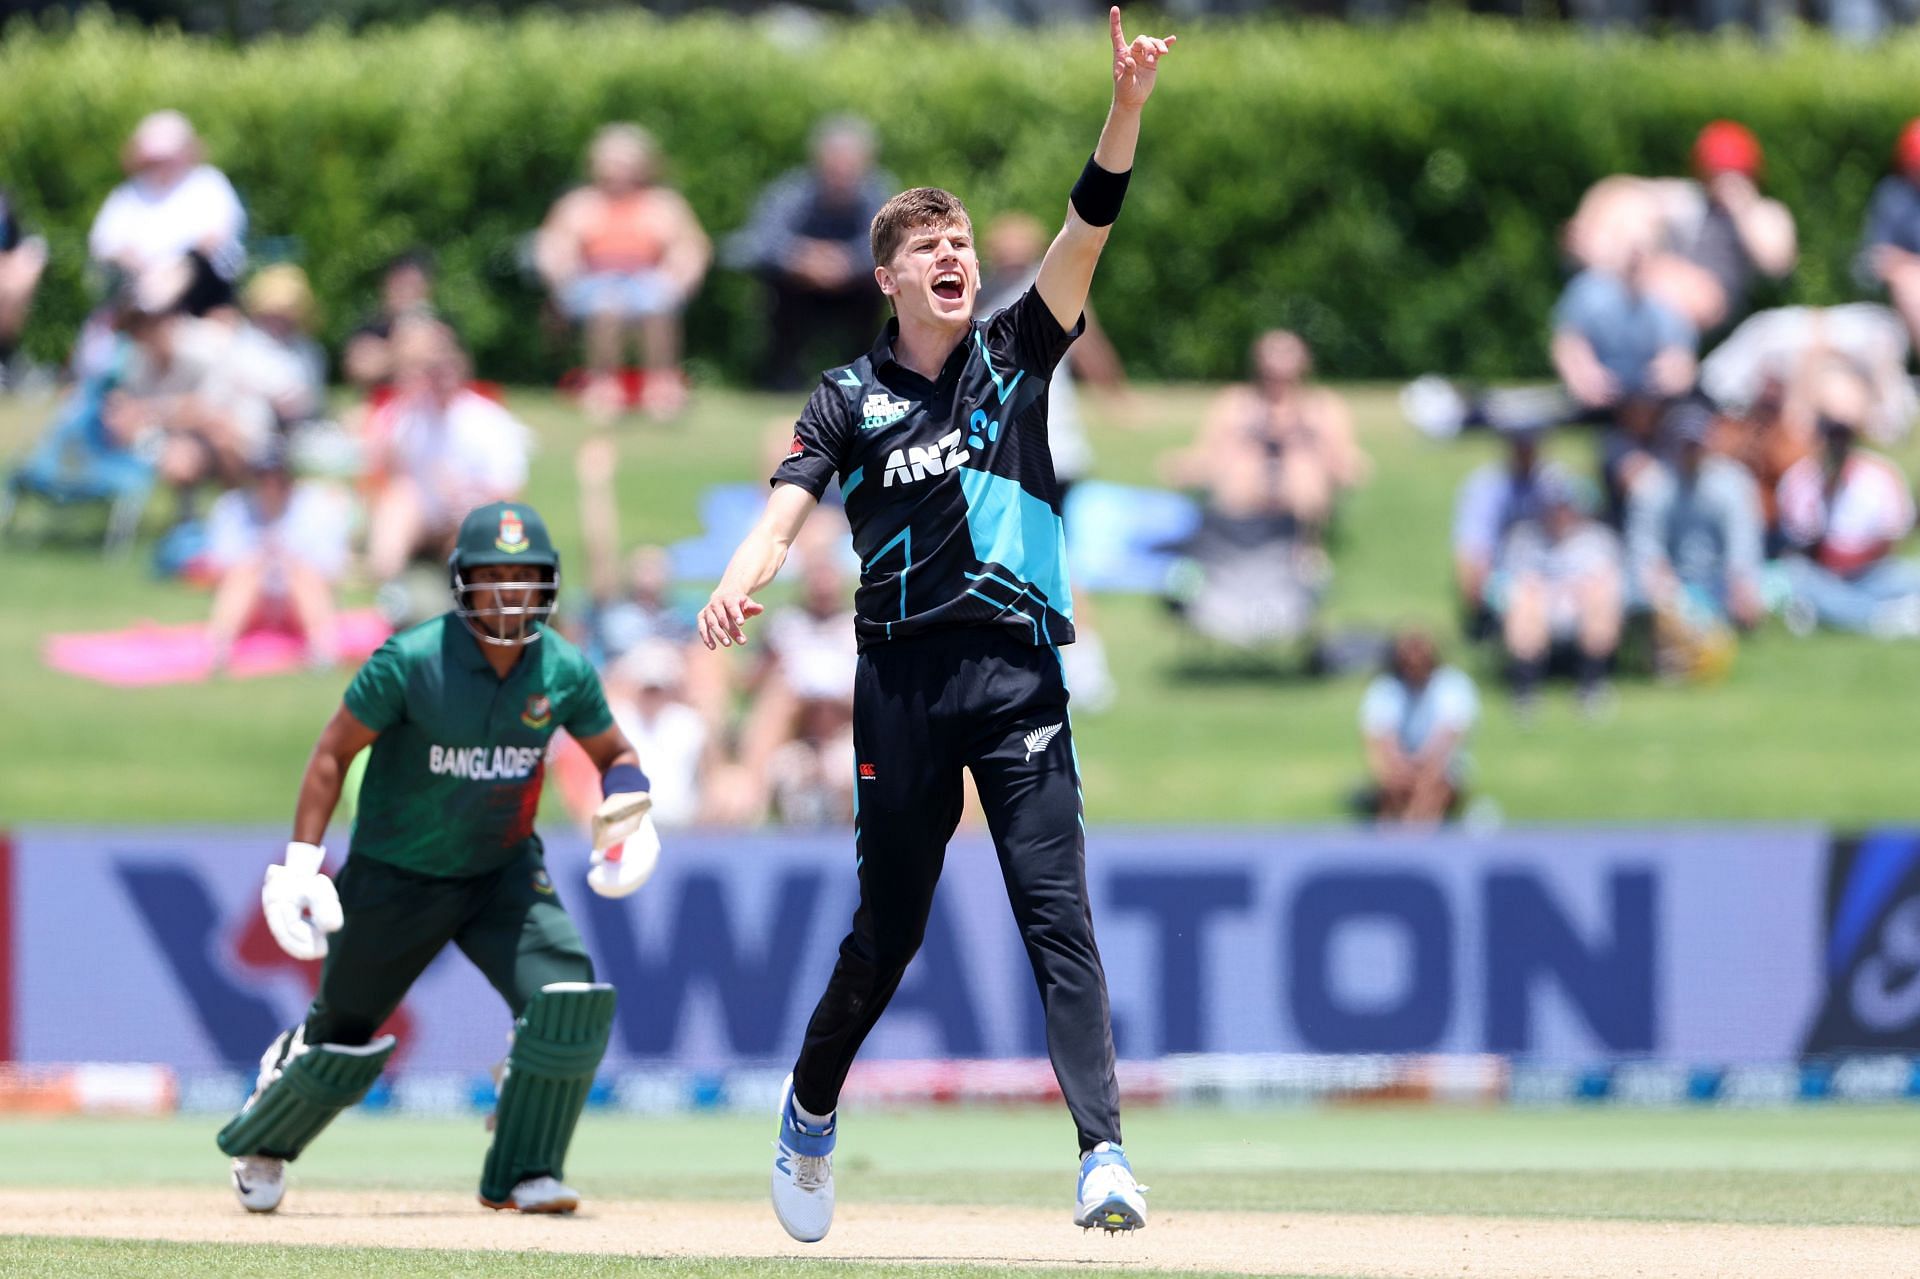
(162, 135)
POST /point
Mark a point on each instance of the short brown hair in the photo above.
(911, 209)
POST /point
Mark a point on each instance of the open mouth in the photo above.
(949, 287)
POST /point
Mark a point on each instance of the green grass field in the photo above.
(110, 1259)
(1844, 1166)
(1849, 1165)
(1802, 730)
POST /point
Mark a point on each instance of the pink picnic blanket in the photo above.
(153, 654)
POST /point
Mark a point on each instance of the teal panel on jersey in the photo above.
(1012, 527)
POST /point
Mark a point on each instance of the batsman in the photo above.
(458, 711)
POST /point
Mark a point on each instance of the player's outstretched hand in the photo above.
(300, 904)
(1135, 64)
(722, 620)
(626, 845)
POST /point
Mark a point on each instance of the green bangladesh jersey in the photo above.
(454, 778)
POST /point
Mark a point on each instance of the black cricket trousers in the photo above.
(923, 709)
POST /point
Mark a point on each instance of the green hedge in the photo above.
(1393, 193)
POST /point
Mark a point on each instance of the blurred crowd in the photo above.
(1737, 472)
(198, 384)
(1857, 21)
(1737, 477)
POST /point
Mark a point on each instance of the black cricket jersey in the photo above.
(948, 485)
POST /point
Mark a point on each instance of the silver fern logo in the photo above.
(1039, 739)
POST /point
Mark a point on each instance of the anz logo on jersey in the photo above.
(914, 463)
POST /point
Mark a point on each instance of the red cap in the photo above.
(1906, 152)
(1726, 146)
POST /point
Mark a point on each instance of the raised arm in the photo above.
(1066, 274)
(754, 564)
(1764, 226)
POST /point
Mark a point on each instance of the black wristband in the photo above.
(1098, 194)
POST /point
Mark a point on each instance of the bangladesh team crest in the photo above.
(543, 882)
(513, 533)
(539, 712)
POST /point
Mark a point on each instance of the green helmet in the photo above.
(505, 533)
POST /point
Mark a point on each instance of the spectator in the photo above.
(1561, 587)
(1703, 242)
(1253, 571)
(1843, 511)
(1737, 233)
(1614, 341)
(22, 259)
(279, 302)
(172, 207)
(808, 239)
(1774, 426)
(1890, 245)
(440, 449)
(278, 548)
(1695, 542)
(622, 255)
(1756, 369)
(81, 458)
(1277, 446)
(1620, 346)
(1270, 458)
(799, 734)
(633, 606)
(1620, 351)
(1015, 244)
(1495, 499)
(208, 390)
(1414, 719)
(639, 610)
(645, 693)
(406, 292)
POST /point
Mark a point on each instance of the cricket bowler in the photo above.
(938, 437)
(458, 711)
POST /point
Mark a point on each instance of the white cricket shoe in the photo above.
(260, 1181)
(802, 1173)
(538, 1194)
(1109, 1196)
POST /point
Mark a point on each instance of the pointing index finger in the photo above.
(1119, 40)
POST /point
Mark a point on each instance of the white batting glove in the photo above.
(300, 904)
(626, 846)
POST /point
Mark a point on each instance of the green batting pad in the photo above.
(303, 1098)
(557, 1045)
